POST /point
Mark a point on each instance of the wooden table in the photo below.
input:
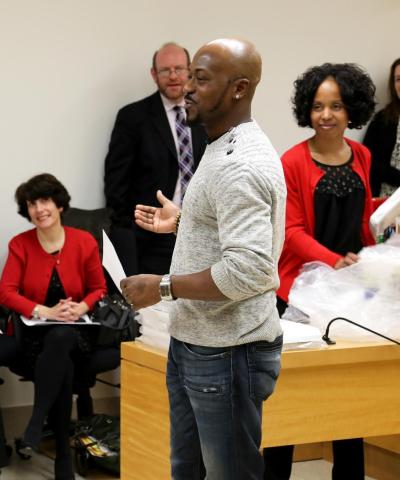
(342, 391)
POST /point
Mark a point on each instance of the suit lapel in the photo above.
(161, 123)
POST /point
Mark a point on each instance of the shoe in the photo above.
(24, 449)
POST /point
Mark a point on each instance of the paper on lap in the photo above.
(84, 320)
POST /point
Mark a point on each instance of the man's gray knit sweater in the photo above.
(233, 219)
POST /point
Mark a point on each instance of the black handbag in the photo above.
(97, 442)
(117, 321)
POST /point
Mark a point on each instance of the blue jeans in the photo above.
(216, 397)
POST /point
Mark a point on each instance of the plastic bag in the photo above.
(367, 293)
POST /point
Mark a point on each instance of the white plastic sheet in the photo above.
(367, 293)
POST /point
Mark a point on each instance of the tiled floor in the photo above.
(41, 468)
(313, 470)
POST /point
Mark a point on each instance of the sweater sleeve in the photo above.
(299, 238)
(12, 279)
(244, 209)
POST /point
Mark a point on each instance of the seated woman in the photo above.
(383, 140)
(328, 207)
(51, 272)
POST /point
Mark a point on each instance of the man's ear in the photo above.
(241, 86)
(154, 75)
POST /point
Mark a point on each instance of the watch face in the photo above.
(165, 288)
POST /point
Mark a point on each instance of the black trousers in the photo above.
(155, 254)
(8, 350)
(53, 378)
(348, 460)
(142, 252)
(124, 242)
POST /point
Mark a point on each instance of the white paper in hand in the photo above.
(111, 261)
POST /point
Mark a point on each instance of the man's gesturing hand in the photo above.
(158, 220)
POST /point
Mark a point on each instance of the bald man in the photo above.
(226, 339)
(144, 156)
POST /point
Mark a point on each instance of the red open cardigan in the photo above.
(27, 272)
(302, 176)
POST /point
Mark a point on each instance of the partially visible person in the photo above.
(151, 148)
(226, 338)
(52, 272)
(328, 207)
(383, 140)
(8, 355)
(8, 350)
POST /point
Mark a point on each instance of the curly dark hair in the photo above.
(392, 109)
(356, 89)
(45, 186)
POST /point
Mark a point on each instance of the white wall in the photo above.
(67, 66)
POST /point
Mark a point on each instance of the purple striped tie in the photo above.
(185, 157)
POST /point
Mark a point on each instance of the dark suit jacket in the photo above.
(142, 159)
(380, 139)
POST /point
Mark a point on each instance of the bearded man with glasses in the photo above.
(151, 149)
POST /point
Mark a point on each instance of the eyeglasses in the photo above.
(167, 72)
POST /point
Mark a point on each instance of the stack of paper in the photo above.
(154, 326)
(299, 335)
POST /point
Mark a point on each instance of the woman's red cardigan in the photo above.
(302, 176)
(28, 269)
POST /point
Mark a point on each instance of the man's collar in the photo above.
(169, 105)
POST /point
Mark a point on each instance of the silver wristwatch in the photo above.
(165, 288)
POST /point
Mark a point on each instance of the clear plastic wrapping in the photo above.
(367, 293)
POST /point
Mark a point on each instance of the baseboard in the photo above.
(308, 451)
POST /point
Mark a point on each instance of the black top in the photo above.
(339, 200)
(55, 291)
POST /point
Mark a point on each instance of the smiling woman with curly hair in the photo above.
(357, 92)
(328, 207)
